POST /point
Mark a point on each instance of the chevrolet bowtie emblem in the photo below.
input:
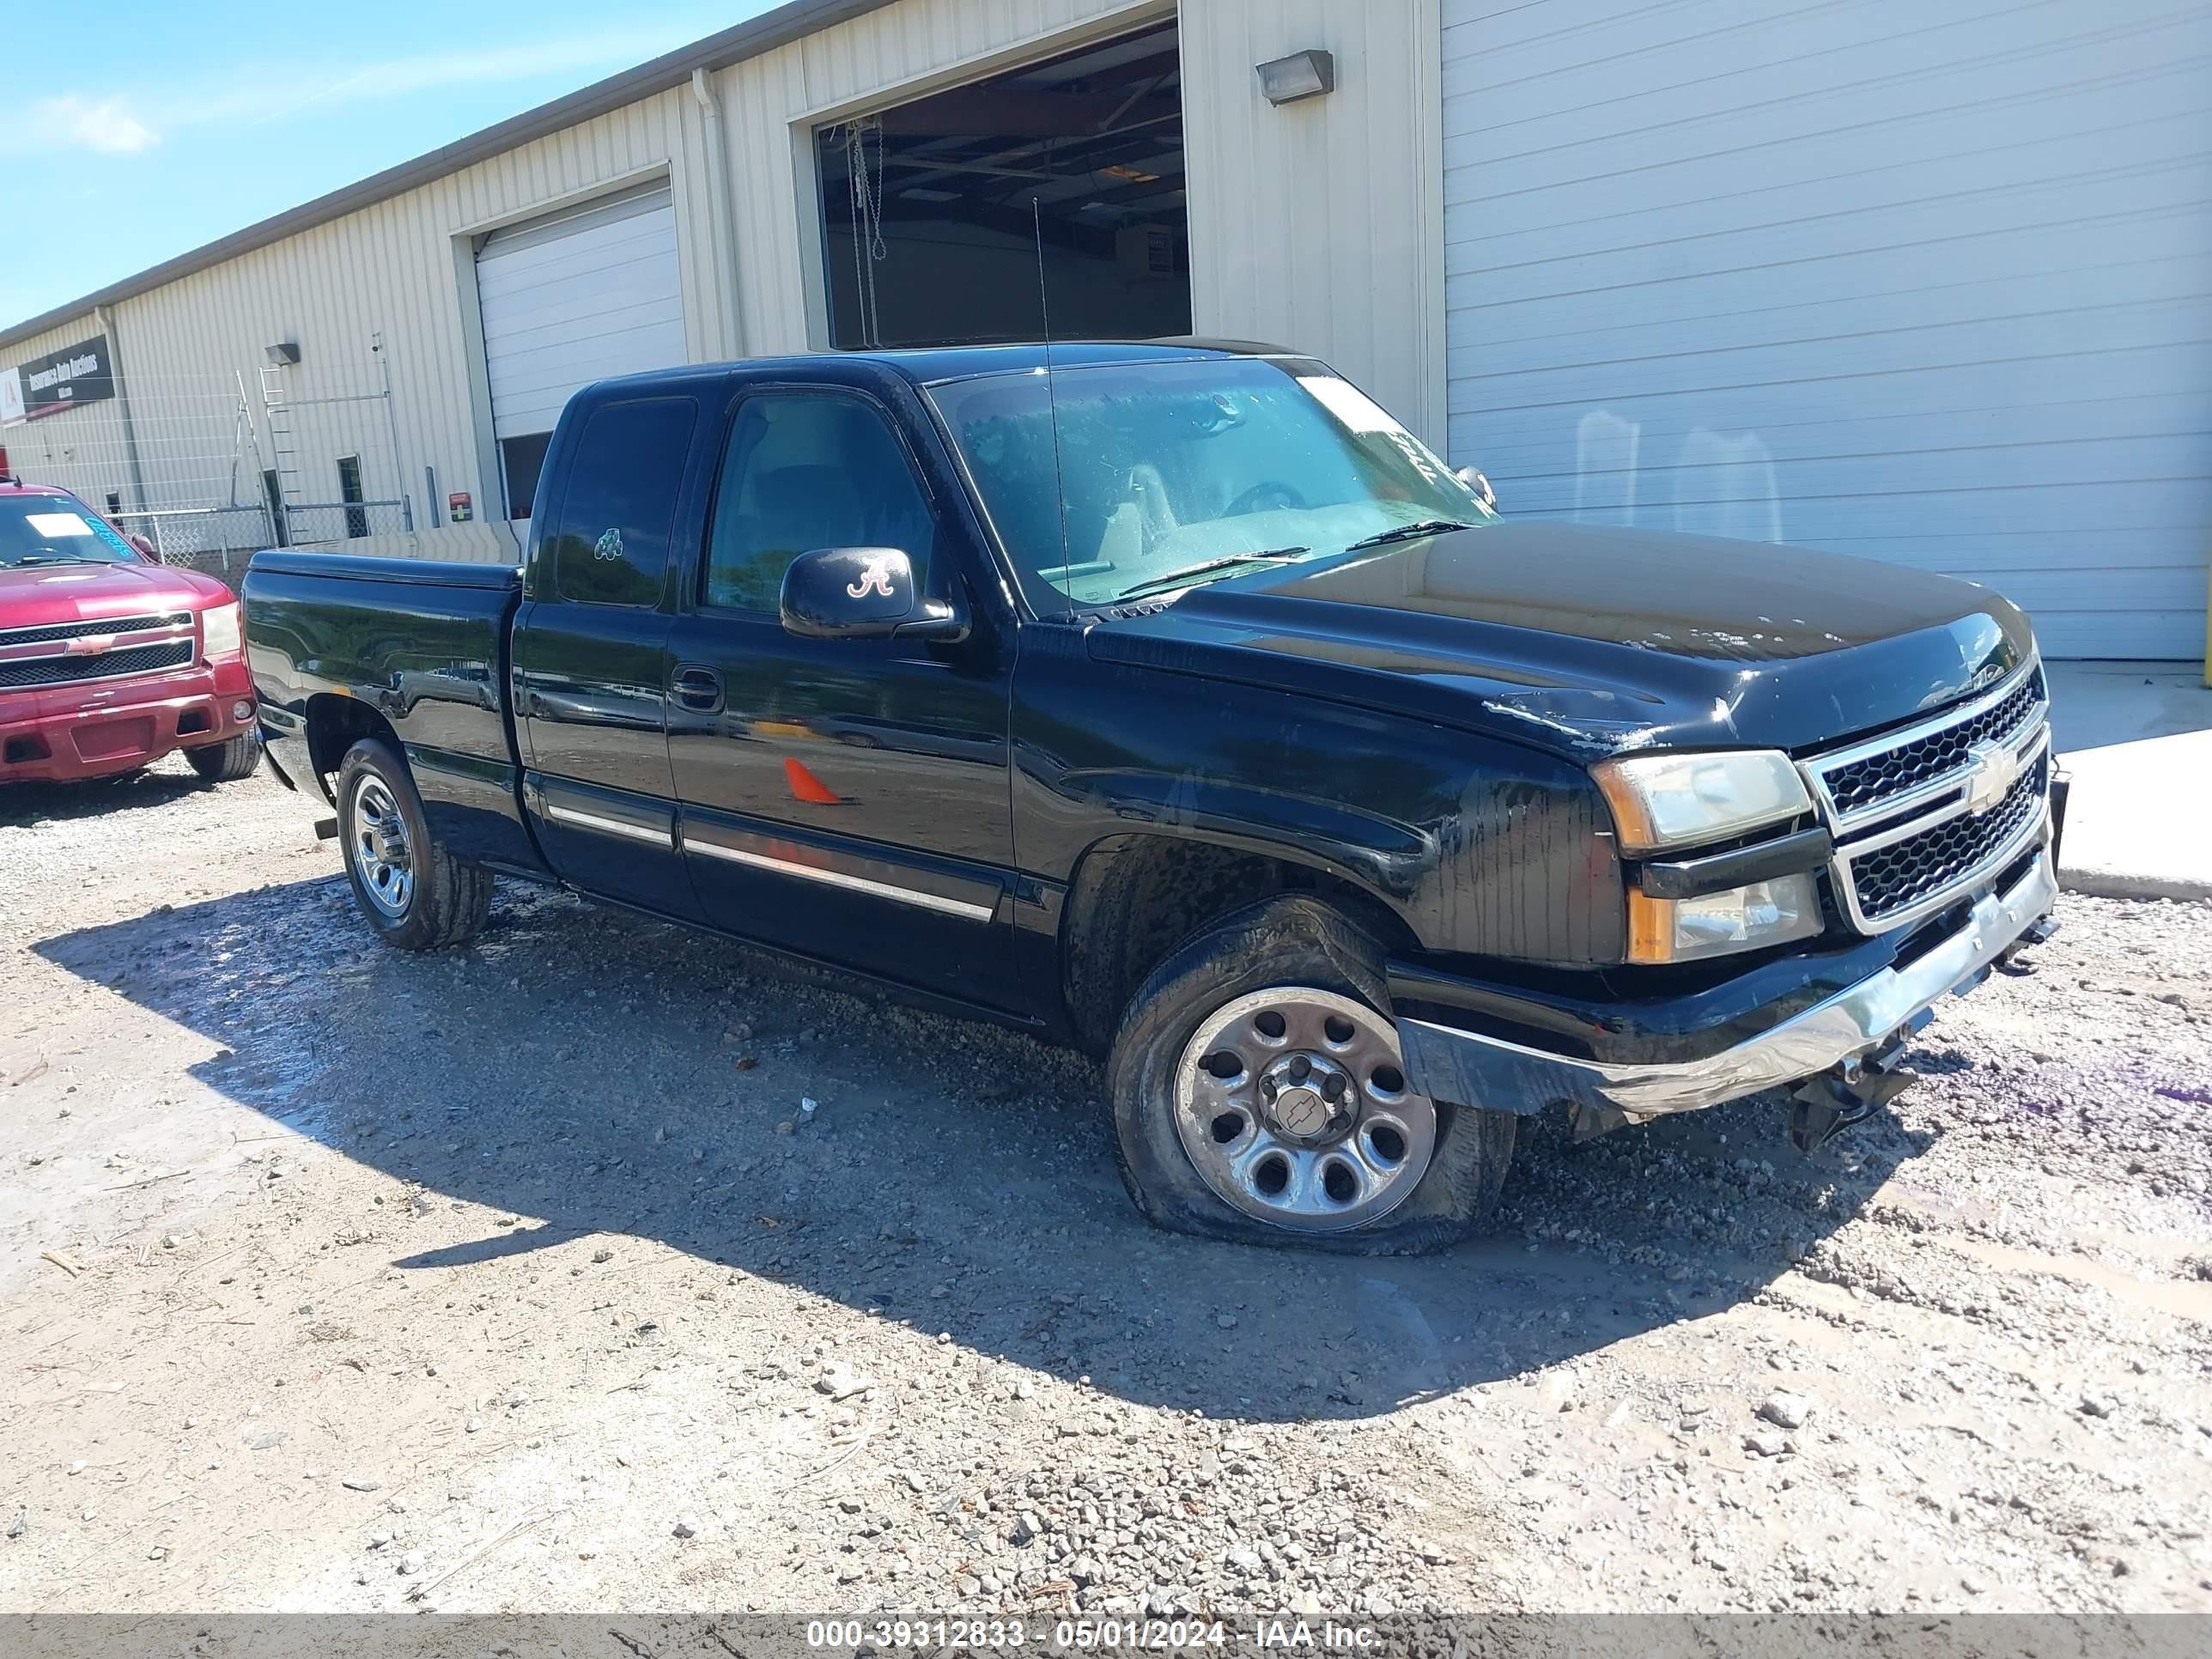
(89, 645)
(1996, 770)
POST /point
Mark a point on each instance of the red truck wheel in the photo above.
(413, 892)
(228, 762)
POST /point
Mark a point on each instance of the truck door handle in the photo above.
(699, 690)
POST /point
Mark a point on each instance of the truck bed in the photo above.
(426, 573)
(419, 648)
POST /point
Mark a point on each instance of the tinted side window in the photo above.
(808, 470)
(610, 544)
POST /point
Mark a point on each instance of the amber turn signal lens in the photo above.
(1746, 918)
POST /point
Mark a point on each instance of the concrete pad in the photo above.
(2136, 740)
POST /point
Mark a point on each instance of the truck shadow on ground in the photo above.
(578, 1072)
(66, 803)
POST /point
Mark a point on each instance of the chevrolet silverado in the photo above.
(1175, 701)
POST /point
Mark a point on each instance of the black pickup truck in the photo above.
(1174, 701)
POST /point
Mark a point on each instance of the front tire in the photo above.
(414, 892)
(229, 762)
(1259, 1096)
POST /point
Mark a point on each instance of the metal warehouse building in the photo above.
(1929, 284)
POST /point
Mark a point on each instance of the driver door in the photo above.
(845, 798)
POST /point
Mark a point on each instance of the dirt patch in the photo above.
(603, 1264)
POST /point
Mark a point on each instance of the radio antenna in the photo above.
(1051, 399)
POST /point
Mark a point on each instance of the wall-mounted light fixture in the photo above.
(1302, 75)
(282, 355)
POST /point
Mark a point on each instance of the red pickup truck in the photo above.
(108, 659)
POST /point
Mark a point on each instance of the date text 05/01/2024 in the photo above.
(1088, 1635)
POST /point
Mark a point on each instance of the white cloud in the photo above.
(74, 122)
(474, 66)
(115, 125)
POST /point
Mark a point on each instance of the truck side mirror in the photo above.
(862, 593)
(1480, 485)
(143, 546)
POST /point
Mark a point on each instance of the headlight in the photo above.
(222, 631)
(1742, 918)
(1662, 801)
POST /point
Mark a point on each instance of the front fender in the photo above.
(1479, 845)
(1369, 849)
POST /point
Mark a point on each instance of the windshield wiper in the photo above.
(48, 558)
(1182, 578)
(1407, 532)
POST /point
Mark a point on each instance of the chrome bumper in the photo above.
(1448, 1064)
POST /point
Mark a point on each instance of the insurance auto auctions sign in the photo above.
(61, 380)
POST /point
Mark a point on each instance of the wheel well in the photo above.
(335, 724)
(1136, 899)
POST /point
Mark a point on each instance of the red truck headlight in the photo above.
(222, 632)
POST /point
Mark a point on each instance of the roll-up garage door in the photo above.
(569, 299)
(1928, 283)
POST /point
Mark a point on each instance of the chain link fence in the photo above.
(179, 534)
(209, 467)
(220, 540)
(318, 523)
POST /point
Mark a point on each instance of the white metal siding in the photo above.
(392, 268)
(590, 293)
(1316, 226)
(389, 267)
(1929, 285)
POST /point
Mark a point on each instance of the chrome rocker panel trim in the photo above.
(1449, 1064)
(606, 826)
(938, 901)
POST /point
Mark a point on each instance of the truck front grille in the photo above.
(1936, 863)
(46, 632)
(95, 666)
(1911, 812)
(1859, 784)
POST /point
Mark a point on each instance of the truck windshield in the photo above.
(1179, 468)
(42, 529)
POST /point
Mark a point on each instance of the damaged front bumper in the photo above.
(1862, 1022)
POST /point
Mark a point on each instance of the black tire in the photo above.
(1287, 940)
(229, 762)
(448, 897)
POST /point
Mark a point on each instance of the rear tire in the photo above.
(228, 762)
(414, 892)
(1372, 1169)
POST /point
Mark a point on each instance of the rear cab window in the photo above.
(608, 543)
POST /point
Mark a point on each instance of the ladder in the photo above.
(276, 411)
(244, 439)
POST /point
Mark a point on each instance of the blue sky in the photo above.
(139, 129)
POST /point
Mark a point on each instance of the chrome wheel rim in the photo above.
(1293, 1106)
(377, 847)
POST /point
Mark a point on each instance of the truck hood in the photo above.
(46, 594)
(1589, 642)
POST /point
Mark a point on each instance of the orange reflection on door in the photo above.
(806, 787)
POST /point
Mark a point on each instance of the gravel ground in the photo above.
(602, 1265)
